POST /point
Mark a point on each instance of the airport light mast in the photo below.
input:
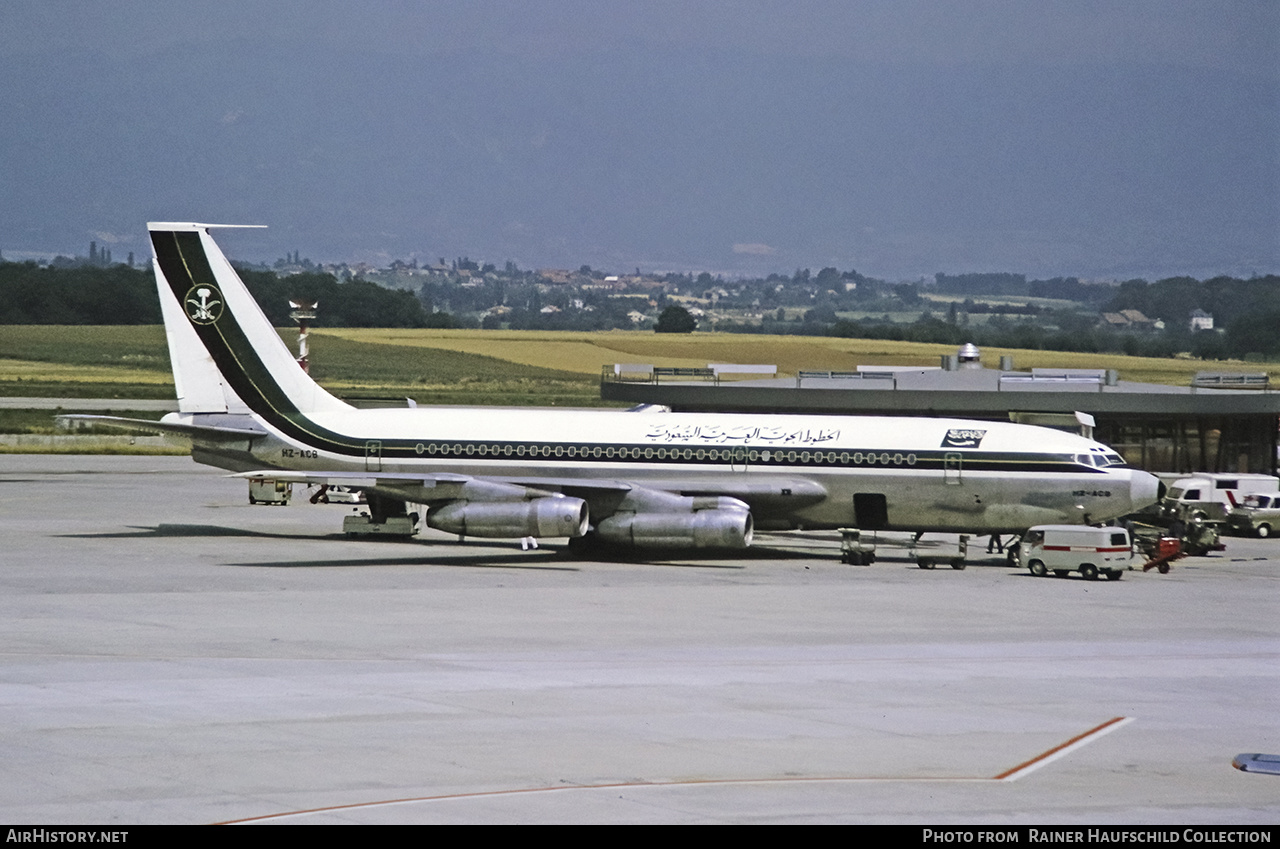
(303, 313)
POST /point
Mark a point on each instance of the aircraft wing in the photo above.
(618, 511)
(429, 487)
(764, 496)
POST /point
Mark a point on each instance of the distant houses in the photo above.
(1130, 320)
(1134, 320)
(1201, 320)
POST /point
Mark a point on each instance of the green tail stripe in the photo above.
(185, 266)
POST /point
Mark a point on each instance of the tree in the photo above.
(825, 314)
(829, 278)
(907, 293)
(1253, 334)
(675, 319)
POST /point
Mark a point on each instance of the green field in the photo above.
(493, 367)
(133, 362)
(1019, 300)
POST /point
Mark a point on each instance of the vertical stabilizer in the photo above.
(200, 386)
(240, 355)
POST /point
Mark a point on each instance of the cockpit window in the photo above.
(1102, 461)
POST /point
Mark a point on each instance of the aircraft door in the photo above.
(951, 465)
(373, 456)
(738, 458)
(870, 511)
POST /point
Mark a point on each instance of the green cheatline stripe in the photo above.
(183, 261)
(576, 452)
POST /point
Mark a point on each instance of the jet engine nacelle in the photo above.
(556, 516)
(720, 528)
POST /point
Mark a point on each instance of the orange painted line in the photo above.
(1040, 759)
(1079, 739)
(562, 787)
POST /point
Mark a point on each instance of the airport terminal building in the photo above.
(1220, 423)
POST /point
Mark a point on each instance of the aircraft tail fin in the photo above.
(199, 384)
(226, 355)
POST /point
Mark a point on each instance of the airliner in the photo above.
(629, 478)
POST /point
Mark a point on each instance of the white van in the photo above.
(1062, 549)
(1211, 496)
(1257, 514)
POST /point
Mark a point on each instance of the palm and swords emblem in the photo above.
(203, 304)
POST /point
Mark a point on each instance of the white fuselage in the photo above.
(1013, 476)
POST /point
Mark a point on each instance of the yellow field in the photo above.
(585, 353)
(62, 361)
(581, 353)
(42, 372)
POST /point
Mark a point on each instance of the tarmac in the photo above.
(171, 654)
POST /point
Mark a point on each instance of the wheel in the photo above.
(1163, 568)
(1061, 573)
(1114, 575)
(958, 564)
(1089, 572)
(924, 563)
(1264, 531)
(1037, 568)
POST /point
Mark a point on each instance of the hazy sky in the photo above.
(1097, 139)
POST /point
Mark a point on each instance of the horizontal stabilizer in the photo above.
(192, 226)
(211, 433)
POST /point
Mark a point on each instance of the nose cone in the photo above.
(1144, 489)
